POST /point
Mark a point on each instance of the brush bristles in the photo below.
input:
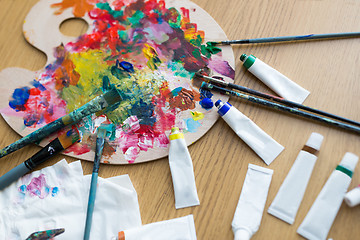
(105, 130)
(69, 138)
(101, 132)
(113, 96)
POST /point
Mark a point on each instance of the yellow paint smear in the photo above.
(197, 115)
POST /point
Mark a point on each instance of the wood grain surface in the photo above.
(328, 69)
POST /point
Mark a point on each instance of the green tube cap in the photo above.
(248, 60)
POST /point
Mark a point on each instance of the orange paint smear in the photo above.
(80, 7)
(185, 100)
(190, 29)
(66, 75)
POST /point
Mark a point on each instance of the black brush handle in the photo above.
(44, 154)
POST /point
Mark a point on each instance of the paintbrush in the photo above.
(62, 142)
(276, 99)
(45, 235)
(208, 86)
(288, 38)
(100, 141)
(97, 104)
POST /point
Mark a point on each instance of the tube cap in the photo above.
(349, 161)
(223, 108)
(242, 234)
(175, 134)
(248, 60)
(315, 141)
(175, 130)
(242, 57)
(352, 198)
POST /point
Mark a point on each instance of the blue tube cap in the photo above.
(224, 108)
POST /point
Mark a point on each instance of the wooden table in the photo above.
(329, 69)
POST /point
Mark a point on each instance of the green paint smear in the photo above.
(114, 13)
(210, 47)
(123, 35)
(196, 53)
(175, 15)
(196, 42)
(136, 17)
(178, 69)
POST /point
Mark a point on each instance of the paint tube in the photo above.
(274, 79)
(251, 203)
(259, 141)
(291, 192)
(176, 229)
(319, 219)
(182, 171)
(352, 198)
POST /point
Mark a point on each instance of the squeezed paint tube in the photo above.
(182, 171)
(274, 79)
(291, 192)
(352, 198)
(259, 141)
(250, 207)
(176, 229)
(321, 216)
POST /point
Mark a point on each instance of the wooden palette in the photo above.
(179, 25)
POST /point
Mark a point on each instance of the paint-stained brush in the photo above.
(97, 104)
(282, 107)
(45, 235)
(275, 99)
(103, 131)
(62, 142)
(288, 38)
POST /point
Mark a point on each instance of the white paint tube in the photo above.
(274, 79)
(322, 213)
(291, 192)
(251, 203)
(352, 198)
(176, 229)
(259, 141)
(182, 171)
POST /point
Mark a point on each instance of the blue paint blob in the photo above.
(192, 125)
(55, 191)
(205, 93)
(126, 66)
(206, 103)
(176, 91)
(144, 112)
(38, 85)
(20, 97)
(22, 188)
(69, 133)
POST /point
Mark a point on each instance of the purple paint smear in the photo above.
(221, 66)
(38, 188)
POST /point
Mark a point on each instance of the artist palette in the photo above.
(148, 50)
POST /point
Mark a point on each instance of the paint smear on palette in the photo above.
(37, 188)
(192, 125)
(140, 47)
